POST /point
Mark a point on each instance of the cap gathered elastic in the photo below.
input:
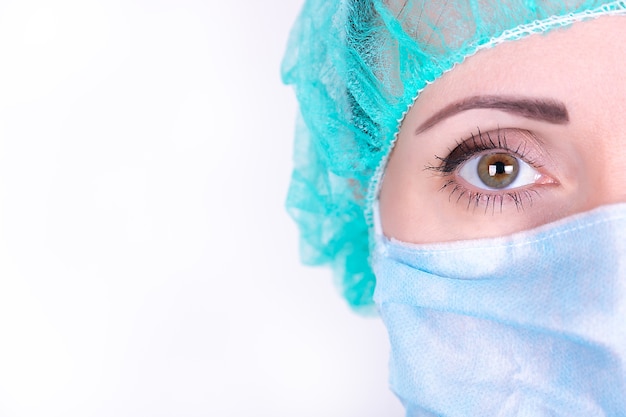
(357, 66)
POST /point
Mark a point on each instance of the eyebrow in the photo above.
(546, 110)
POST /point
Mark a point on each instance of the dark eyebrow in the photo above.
(547, 110)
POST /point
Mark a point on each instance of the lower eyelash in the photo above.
(521, 198)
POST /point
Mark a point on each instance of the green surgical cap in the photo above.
(356, 67)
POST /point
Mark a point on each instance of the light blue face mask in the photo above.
(533, 324)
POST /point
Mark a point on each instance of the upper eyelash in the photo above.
(477, 143)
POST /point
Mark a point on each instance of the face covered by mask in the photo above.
(532, 324)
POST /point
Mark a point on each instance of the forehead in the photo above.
(575, 65)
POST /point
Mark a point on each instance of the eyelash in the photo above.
(469, 148)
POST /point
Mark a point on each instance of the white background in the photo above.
(147, 266)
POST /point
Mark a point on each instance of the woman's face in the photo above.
(517, 136)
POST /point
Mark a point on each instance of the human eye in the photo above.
(498, 170)
(489, 169)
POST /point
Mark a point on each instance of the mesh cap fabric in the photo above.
(356, 67)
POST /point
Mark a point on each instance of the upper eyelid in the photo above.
(485, 141)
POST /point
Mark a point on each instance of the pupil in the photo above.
(499, 167)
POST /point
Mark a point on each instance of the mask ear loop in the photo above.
(378, 229)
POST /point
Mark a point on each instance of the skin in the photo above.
(578, 163)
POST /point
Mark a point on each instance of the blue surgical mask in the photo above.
(532, 324)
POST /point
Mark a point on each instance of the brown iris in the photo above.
(497, 170)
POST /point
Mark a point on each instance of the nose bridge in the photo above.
(606, 168)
